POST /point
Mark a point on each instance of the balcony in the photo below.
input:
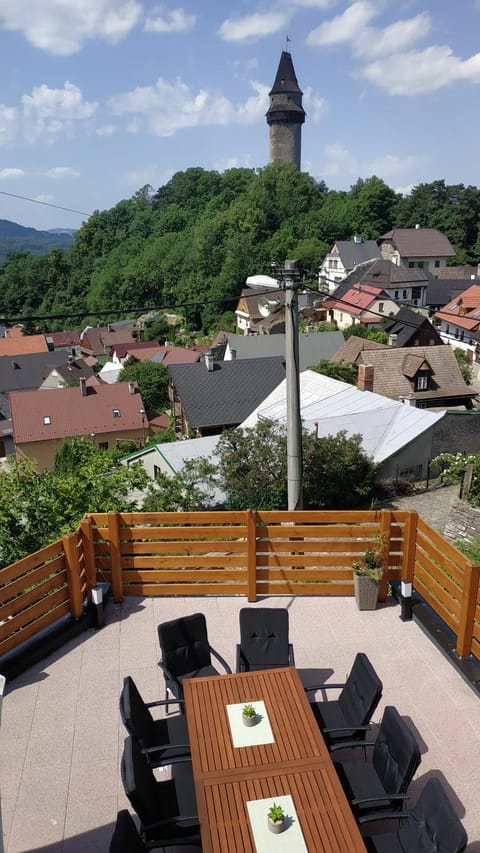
(61, 736)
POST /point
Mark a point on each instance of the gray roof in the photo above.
(27, 372)
(406, 325)
(441, 291)
(224, 396)
(382, 273)
(313, 347)
(419, 242)
(352, 253)
(329, 406)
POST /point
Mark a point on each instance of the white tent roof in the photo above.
(330, 406)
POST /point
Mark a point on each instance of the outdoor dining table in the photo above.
(284, 756)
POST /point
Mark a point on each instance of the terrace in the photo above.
(61, 735)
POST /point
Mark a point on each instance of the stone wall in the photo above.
(463, 522)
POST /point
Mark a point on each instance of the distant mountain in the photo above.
(17, 238)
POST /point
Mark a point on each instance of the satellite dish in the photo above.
(267, 306)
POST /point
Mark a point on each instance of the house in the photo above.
(312, 347)
(460, 321)
(440, 291)
(101, 340)
(31, 371)
(424, 377)
(411, 329)
(16, 343)
(69, 372)
(405, 286)
(249, 316)
(65, 340)
(170, 457)
(43, 420)
(362, 304)
(208, 397)
(396, 436)
(342, 259)
(421, 248)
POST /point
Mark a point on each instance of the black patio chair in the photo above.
(431, 827)
(167, 809)
(263, 639)
(164, 741)
(186, 652)
(347, 717)
(126, 839)
(383, 782)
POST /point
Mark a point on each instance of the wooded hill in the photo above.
(17, 238)
(194, 241)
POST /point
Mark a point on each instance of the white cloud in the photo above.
(8, 124)
(315, 107)
(172, 21)
(59, 173)
(232, 163)
(106, 130)
(168, 107)
(341, 161)
(405, 190)
(7, 174)
(421, 72)
(50, 113)
(394, 38)
(343, 28)
(61, 26)
(255, 26)
(391, 164)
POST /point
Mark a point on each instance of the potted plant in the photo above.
(249, 715)
(276, 819)
(367, 574)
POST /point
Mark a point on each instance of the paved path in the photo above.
(433, 506)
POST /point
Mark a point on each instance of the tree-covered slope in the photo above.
(195, 240)
(17, 238)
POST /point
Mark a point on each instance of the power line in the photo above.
(45, 203)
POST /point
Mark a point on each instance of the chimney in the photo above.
(209, 361)
(365, 377)
(393, 339)
(83, 386)
(357, 239)
(131, 388)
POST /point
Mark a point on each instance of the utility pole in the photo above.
(292, 367)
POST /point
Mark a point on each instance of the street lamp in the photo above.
(290, 282)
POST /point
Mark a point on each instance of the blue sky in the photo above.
(100, 97)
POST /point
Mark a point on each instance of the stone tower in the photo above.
(285, 114)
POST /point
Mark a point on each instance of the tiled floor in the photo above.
(61, 734)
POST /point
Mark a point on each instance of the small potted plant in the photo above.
(367, 574)
(276, 819)
(249, 715)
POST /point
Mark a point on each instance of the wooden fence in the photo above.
(248, 553)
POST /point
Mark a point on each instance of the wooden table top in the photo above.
(297, 763)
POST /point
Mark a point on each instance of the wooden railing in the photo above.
(248, 553)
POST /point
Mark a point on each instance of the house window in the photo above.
(46, 420)
(420, 265)
(404, 294)
(437, 264)
(396, 294)
(447, 329)
(116, 413)
(103, 445)
(421, 383)
(416, 293)
(411, 264)
(380, 306)
(333, 265)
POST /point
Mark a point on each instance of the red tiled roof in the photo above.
(357, 299)
(23, 344)
(64, 339)
(69, 413)
(463, 310)
(123, 349)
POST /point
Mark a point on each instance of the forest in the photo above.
(190, 245)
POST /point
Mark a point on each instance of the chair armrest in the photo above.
(388, 797)
(351, 744)
(220, 660)
(164, 747)
(160, 702)
(373, 816)
(291, 654)
(323, 687)
(168, 821)
(240, 660)
(346, 729)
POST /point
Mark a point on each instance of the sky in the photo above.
(100, 97)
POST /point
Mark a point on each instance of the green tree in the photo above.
(342, 370)
(156, 328)
(152, 381)
(464, 364)
(362, 332)
(252, 468)
(38, 507)
(189, 490)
